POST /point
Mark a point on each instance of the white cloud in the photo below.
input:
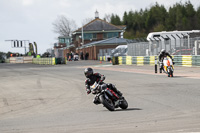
(27, 2)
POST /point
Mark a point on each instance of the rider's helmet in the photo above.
(162, 51)
(88, 72)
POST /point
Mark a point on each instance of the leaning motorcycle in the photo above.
(108, 97)
(168, 67)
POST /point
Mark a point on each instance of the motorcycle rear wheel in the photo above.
(172, 75)
(107, 103)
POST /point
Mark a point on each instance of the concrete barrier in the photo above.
(7, 60)
(44, 61)
(28, 59)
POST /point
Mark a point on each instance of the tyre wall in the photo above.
(180, 60)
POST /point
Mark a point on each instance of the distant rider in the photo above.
(96, 77)
(162, 55)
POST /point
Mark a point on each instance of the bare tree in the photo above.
(87, 20)
(107, 18)
(63, 26)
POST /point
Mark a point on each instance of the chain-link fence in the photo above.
(182, 46)
(138, 49)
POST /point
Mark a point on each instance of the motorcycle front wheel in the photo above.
(107, 103)
(124, 104)
(171, 73)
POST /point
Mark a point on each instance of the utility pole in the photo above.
(82, 37)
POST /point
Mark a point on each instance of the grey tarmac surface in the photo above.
(52, 99)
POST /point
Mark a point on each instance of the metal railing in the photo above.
(182, 46)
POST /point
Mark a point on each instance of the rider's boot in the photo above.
(117, 91)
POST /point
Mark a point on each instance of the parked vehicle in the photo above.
(76, 57)
(120, 51)
(108, 97)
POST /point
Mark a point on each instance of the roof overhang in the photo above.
(158, 36)
(79, 32)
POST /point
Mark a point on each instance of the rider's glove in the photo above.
(102, 79)
(88, 91)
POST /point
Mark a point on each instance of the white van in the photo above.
(120, 50)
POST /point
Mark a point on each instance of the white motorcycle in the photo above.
(168, 66)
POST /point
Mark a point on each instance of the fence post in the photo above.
(155, 64)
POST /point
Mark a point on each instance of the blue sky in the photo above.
(32, 19)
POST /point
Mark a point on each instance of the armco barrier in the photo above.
(180, 60)
(146, 60)
(140, 60)
(152, 60)
(120, 60)
(134, 60)
(128, 60)
(195, 60)
(187, 60)
(177, 60)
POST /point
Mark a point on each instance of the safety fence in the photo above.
(183, 46)
(180, 60)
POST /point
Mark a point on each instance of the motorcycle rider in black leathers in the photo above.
(97, 77)
(162, 55)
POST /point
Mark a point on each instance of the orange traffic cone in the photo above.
(100, 61)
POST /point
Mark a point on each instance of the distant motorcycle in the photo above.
(168, 67)
(108, 97)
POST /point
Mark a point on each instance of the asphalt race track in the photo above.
(52, 99)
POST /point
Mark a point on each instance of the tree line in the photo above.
(180, 16)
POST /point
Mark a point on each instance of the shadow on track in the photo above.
(128, 109)
(180, 76)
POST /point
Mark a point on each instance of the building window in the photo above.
(94, 35)
(88, 36)
(61, 40)
(104, 35)
(110, 35)
(67, 41)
